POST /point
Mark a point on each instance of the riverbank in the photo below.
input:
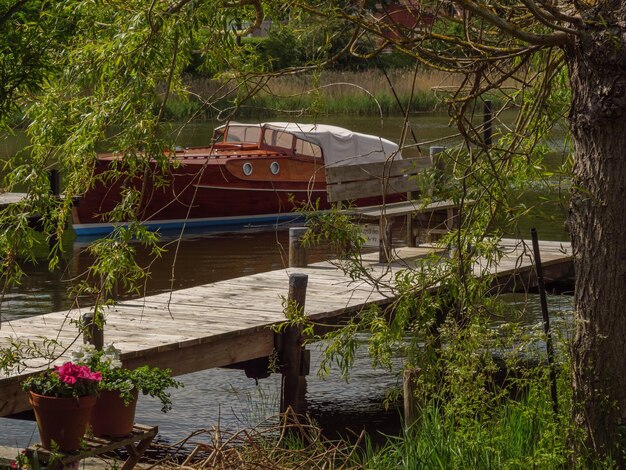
(369, 92)
(509, 433)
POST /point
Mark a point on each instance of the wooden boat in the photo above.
(252, 175)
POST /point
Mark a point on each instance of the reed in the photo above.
(366, 92)
(519, 434)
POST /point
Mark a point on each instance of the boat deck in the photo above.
(228, 322)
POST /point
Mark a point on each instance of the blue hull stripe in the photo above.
(213, 223)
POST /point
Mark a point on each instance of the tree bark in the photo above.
(597, 222)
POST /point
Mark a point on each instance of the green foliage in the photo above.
(514, 434)
(68, 380)
(89, 75)
(151, 381)
(28, 44)
(281, 49)
(148, 380)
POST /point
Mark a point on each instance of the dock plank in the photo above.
(231, 321)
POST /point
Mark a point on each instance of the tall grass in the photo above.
(519, 434)
(367, 92)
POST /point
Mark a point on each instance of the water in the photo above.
(227, 397)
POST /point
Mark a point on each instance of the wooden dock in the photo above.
(6, 199)
(228, 322)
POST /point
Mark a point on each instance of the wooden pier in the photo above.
(229, 322)
(6, 199)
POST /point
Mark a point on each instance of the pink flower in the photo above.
(68, 379)
(69, 373)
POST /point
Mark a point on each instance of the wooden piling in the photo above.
(298, 256)
(546, 319)
(409, 382)
(92, 334)
(54, 178)
(291, 346)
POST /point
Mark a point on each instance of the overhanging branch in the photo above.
(557, 38)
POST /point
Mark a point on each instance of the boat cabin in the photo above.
(334, 145)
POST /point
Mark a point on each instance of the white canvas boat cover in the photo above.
(341, 146)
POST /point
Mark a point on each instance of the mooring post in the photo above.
(546, 319)
(298, 256)
(92, 333)
(291, 345)
(54, 178)
(409, 382)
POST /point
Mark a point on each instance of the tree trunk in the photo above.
(597, 221)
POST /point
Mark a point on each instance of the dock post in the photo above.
(546, 319)
(409, 381)
(291, 346)
(298, 256)
(54, 178)
(92, 333)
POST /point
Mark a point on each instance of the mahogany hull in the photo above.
(209, 192)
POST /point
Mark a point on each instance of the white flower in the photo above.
(111, 351)
(77, 356)
(83, 353)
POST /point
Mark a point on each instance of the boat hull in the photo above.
(253, 174)
(210, 194)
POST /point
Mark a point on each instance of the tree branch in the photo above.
(542, 17)
(12, 11)
(555, 39)
(178, 6)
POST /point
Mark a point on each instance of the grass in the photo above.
(334, 92)
(517, 434)
(522, 434)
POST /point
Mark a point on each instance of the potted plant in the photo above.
(114, 413)
(63, 399)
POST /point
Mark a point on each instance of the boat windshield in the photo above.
(286, 141)
(240, 133)
(308, 149)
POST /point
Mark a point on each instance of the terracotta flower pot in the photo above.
(111, 417)
(62, 420)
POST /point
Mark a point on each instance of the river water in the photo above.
(226, 397)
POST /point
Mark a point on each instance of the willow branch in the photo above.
(560, 15)
(6, 16)
(558, 38)
(260, 14)
(547, 18)
(178, 6)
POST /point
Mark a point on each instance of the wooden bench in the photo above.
(388, 179)
(135, 444)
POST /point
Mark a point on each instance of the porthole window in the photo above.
(275, 168)
(247, 169)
